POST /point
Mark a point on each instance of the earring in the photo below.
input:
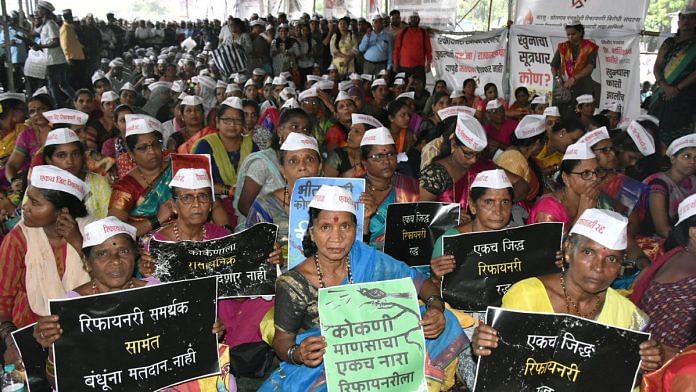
(86, 267)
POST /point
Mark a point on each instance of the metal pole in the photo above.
(8, 48)
(510, 10)
(490, 11)
(314, 7)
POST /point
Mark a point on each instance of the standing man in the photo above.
(56, 65)
(73, 51)
(412, 51)
(91, 38)
(376, 47)
(394, 25)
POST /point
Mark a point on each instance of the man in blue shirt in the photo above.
(376, 47)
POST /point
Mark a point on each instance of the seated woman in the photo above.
(529, 138)
(41, 256)
(561, 134)
(193, 115)
(110, 255)
(635, 149)
(336, 134)
(115, 147)
(299, 157)
(594, 261)
(490, 91)
(669, 188)
(585, 109)
(440, 100)
(522, 105)
(384, 185)
(580, 176)
(228, 150)
(142, 197)
(399, 113)
(14, 112)
(31, 138)
(346, 161)
(260, 173)
(667, 289)
(334, 258)
(104, 124)
(64, 150)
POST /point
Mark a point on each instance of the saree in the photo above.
(263, 168)
(129, 195)
(459, 193)
(221, 161)
(678, 64)
(404, 190)
(370, 265)
(676, 375)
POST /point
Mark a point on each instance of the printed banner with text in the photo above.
(489, 262)
(618, 63)
(602, 15)
(302, 194)
(140, 339)
(374, 340)
(413, 228)
(33, 357)
(237, 260)
(558, 352)
(437, 14)
(481, 56)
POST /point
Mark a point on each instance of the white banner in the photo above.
(618, 63)
(480, 56)
(438, 14)
(593, 14)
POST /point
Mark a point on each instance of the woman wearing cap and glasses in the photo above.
(668, 188)
(110, 255)
(142, 197)
(594, 261)
(334, 258)
(384, 185)
(346, 161)
(41, 256)
(580, 176)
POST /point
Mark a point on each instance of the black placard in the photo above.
(412, 229)
(558, 352)
(489, 262)
(237, 260)
(140, 339)
(33, 358)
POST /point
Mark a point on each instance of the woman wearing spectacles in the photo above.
(384, 185)
(346, 161)
(580, 176)
(142, 197)
(228, 149)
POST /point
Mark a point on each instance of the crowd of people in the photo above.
(339, 98)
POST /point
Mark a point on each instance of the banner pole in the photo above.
(490, 11)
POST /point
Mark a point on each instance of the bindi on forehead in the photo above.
(335, 219)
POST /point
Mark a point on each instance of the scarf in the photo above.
(572, 66)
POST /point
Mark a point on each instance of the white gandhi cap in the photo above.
(493, 179)
(333, 198)
(99, 231)
(604, 227)
(52, 177)
(377, 137)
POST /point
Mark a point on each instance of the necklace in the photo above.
(576, 308)
(321, 276)
(142, 175)
(95, 289)
(178, 237)
(374, 189)
(285, 197)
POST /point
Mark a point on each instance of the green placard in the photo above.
(373, 336)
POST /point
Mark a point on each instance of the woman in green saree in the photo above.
(674, 92)
(142, 197)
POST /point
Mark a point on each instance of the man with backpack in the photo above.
(412, 50)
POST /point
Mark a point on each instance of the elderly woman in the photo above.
(334, 258)
(30, 139)
(582, 289)
(142, 197)
(346, 161)
(666, 290)
(111, 253)
(260, 173)
(41, 256)
(669, 188)
(384, 185)
(299, 157)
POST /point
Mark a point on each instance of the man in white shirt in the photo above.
(56, 65)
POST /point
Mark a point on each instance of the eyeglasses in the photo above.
(382, 157)
(232, 120)
(605, 150)
(468, 154)
(203, 198)
(154, 145)
(588, 174)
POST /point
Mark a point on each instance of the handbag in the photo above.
(251, 359)
(561, 94)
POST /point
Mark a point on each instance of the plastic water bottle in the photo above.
(10, 384)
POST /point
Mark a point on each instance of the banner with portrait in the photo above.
(558, 352)
(618, 63)
(595, 15)
(481, 56)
